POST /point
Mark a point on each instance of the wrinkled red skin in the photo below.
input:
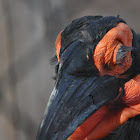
(102, 122)
(106, 50)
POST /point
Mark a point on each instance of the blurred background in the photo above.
(28, 29)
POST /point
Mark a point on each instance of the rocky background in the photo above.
(28, 29)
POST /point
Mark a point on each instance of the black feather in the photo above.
(130, 130)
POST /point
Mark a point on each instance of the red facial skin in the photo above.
(58, 45)
(103, 121)
(106, 50)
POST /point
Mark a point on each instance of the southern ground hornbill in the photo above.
(97, 89)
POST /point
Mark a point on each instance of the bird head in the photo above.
(97, 82)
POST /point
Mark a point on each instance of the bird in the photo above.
(97, 88)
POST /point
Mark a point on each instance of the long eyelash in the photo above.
(53, 60)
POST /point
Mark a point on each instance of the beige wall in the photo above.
(28, 29)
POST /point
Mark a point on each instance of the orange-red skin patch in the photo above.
(132, 92)
(106, 50)
(58, 45)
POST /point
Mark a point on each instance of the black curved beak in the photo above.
(74, 98)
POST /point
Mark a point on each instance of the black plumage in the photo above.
(130, 130)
